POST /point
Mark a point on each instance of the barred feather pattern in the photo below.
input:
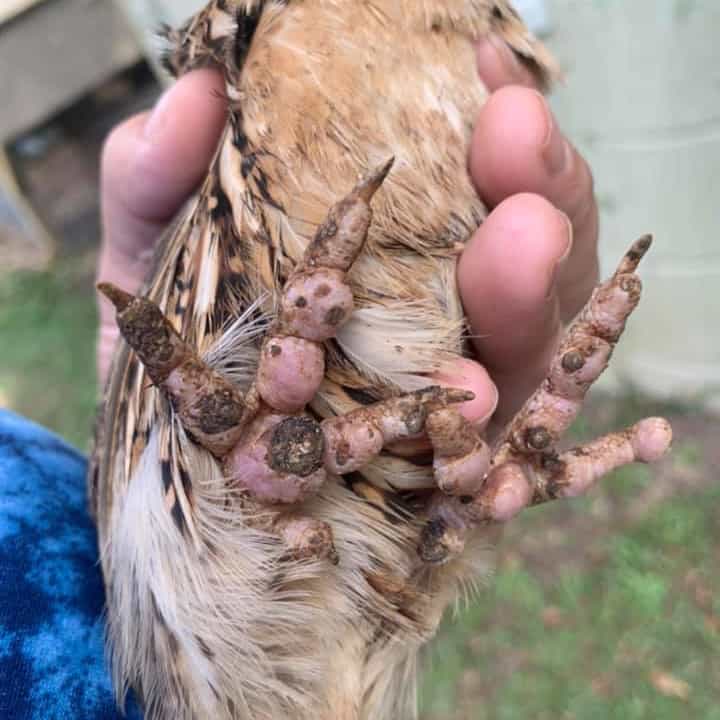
(206, 616)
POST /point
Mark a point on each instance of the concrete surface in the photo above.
(54, 53)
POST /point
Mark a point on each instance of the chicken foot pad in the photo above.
(271, 448)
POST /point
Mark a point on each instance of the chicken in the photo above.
(268, 547)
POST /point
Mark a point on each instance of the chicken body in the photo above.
(208, 618)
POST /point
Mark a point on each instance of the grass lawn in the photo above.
(47, 337)
(600, 610)
(606, 607)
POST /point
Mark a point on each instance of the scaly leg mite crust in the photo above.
(525, 468)
(280, 455)
(267, 445)
(259, 509)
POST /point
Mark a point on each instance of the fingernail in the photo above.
(158, 116)
(561, 258)
(507, 57)
(568, 246)
(469, 374)
(483, 421)
(554, 149)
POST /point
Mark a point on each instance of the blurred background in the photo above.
(605, 607)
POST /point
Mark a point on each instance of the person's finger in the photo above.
(508, 278)
(466, 374)
(517, 147)
(152, 162)
(462, 374)
(150, 165)
(498, 65)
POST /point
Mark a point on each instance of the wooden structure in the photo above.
(52, 52)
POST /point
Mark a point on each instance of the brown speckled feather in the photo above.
(207, 620)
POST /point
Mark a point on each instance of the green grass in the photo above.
(592, 642)
(47, 337)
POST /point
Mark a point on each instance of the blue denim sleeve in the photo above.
(52, 663)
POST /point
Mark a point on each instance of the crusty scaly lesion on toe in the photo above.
(315, 302)
(268, 445)
(280, 455)
(212, 410)
(525, 468)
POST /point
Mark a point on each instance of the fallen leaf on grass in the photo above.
(604, 685)
(552, 617)
(696, 583)
(669, 685)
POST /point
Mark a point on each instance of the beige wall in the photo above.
(642, 100)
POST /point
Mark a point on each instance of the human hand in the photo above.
(151, 164)
(529, 268)
(523, 273)
(533, 263)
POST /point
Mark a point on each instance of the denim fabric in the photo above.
(52, 664)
